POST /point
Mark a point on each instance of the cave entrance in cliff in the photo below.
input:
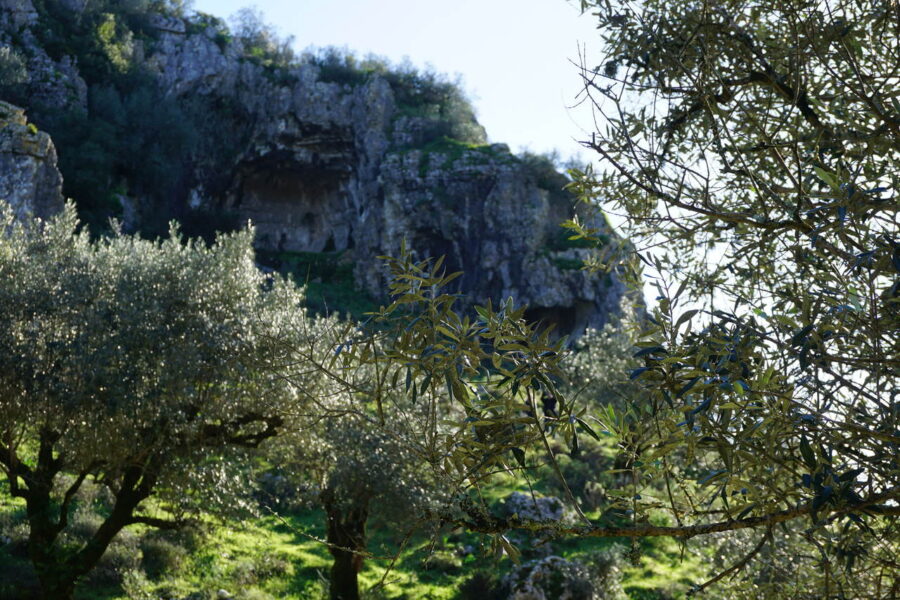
(295, 210)
(566, 320)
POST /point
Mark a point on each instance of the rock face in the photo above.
(483, 210)
(29, 179)
(526, 507)
(322, 165)
(555, 578)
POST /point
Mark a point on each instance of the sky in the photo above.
(514, 56)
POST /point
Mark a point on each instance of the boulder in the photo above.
(534, 508)
(596, 577)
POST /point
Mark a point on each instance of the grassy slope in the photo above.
(274, 557)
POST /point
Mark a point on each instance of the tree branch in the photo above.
(230, 432)
(489, 524)
(735, 567)
(69, 495)
(156, 522)
(14, 469)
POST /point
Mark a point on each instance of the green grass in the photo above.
(283, 557)
(455, 149)
(568, 264)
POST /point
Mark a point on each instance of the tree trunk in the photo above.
(58, 573)
(347, 541)
(56, 584)
(44, 523)
(56, 569)
(344, 577)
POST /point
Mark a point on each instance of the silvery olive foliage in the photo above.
(363, 475)
(139, 365)
(338, 445)
(784, 569)
(752, 149)
(467, 388)
(597, 370)
(355, 452)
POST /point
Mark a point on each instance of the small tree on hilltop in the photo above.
(132, 363)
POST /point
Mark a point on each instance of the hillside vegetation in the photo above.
(369, 393)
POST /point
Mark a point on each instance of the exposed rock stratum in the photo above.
(324, 166)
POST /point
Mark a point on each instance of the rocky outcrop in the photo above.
(323, 165)
(556, 578)
(528, 507)
(481, 208)
(29, 179)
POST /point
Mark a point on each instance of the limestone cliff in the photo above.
(29, 179)
(320, 160)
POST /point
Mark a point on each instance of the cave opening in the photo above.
(571, 321)
(295, 209)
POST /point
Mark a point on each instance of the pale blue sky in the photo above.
(513, 55)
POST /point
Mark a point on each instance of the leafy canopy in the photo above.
(753, 150)
(138, 365)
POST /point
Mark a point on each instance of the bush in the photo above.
(251, 572)
(435, 102)
(443, 562)
(13, 74)
(121, 557)
(261, 42)
(254, 594)
(543, 170)
(160, 556)
(340, 66)
(585, 474)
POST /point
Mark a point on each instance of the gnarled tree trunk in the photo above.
(346, 536)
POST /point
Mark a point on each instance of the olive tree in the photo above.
(460, 394)
(358, 472)
(135, 364)
(425, 405)
(753, 151)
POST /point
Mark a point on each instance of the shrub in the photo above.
(437, 103)
(121, 557)
(13, 73)
(160, 556)
(251, 572)
(443, 562)
(340, 66)
(543, 170)
(253, 594)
